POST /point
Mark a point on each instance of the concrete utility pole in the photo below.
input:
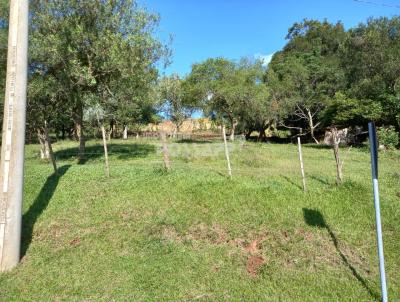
(13, 141)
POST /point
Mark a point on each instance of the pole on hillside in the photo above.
(226, 151)
(339, 165)
(165, 150)
(13, 141)
(301, 164)
(374, 168)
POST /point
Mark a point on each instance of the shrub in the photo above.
(388, 137)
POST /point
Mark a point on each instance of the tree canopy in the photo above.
(93, 53)
(105, 54)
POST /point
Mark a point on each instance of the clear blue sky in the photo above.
(236, 28)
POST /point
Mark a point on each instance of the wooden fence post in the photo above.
(301, 164)
(167, 163)
(339, 165)
(227, 151)
(103, 131)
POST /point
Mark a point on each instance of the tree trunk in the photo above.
(103, 133)
(49, 147)
(44, 151)
(311, 125)
(336, 142)
(232, 134)
(63, 132)
(261, 135)
(78, 120)
(248, 135)
(112, 128)
(125, 134)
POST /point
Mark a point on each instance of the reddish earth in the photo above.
(76, 241)
(253, 265)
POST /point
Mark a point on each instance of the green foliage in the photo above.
(173, 99)
(372, 64)
(344, 111)
(388, 136)
(231, 91)
(94, 52)
(307, 73)
(326, 75)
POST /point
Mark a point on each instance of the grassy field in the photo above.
(195, 235)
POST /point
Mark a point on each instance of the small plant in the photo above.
(388, 137)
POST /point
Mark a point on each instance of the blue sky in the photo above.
(236, 28)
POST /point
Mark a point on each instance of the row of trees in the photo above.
(229, 92)
(89, 57)
(325, 77)
(93, 62)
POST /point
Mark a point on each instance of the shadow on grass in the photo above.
(292, 182)
(193, 141)
(316, 219)
(38, 206)
(315, 146)
(122, 151)
(320, 179)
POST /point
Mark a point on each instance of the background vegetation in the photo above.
(324, 77)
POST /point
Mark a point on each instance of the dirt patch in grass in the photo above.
(254, 263)
(296, 249)
(75, 242)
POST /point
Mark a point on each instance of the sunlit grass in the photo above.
(192, 234)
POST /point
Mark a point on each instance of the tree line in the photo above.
(97, 62)
(90, 62)
(326, 77)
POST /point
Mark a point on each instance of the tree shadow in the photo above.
(38, 206)
(315, 146)
(193, 141)
(121, 151)
(292, 182)
(320, 179)
(316, 219)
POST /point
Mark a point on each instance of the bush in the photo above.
(388, 137)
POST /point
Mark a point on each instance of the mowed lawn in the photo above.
(193, 234)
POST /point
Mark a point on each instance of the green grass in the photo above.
(192, 234)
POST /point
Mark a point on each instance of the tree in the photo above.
(210, 84)
(372, 64)
(173, 100)
(252, 97)
(343, 111)
(45, 106)
(307, 72)
(231, 91)
(102, 50)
